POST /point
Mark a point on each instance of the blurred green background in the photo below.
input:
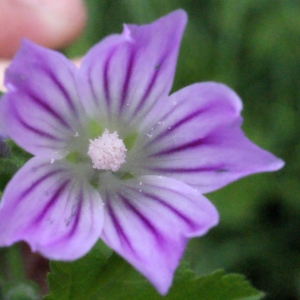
(254, 47)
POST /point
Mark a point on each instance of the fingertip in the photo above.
(49, 23)
(3, 65)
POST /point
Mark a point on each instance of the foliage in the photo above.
(96, 277)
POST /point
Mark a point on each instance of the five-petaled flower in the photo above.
(115, 156)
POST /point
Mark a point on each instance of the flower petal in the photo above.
(149, 221)
(50, 207)
(196, 138)
(41, 110)
(126, 74)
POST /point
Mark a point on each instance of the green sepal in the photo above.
(126, 176)
(129, 141)
(74, 157)
(94, 129)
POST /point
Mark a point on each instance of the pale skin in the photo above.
(50, 23)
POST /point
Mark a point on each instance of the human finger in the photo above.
(51, 23)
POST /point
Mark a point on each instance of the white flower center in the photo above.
(107, 152)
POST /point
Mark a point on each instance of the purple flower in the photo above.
(116, 157)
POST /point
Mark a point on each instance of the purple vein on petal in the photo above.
(184, 120)
(49, 109)
(42, 133)
(62, 90)
(189, 145)
(217, 169)
(117, 225)
(171, 208)
(51, 202)
(147, 224)
(53, 147)
(174, 210)
(36, 183)
(148, 90)
(90, 82)
(127, 79)
(49, 73)
(77, 215)
(106, 77)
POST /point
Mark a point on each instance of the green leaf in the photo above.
(78, 279)
(95, 277)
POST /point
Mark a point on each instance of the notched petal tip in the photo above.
(174, 21)
(126, 74)
(178, 17)
(126, 33)
(26, 47)
(26, 43)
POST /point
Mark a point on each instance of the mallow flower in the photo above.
(115, 156)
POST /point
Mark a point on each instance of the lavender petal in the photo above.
(41, 110)
(149, 220)
(197, 138)
(48, 206)
(127, 74)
